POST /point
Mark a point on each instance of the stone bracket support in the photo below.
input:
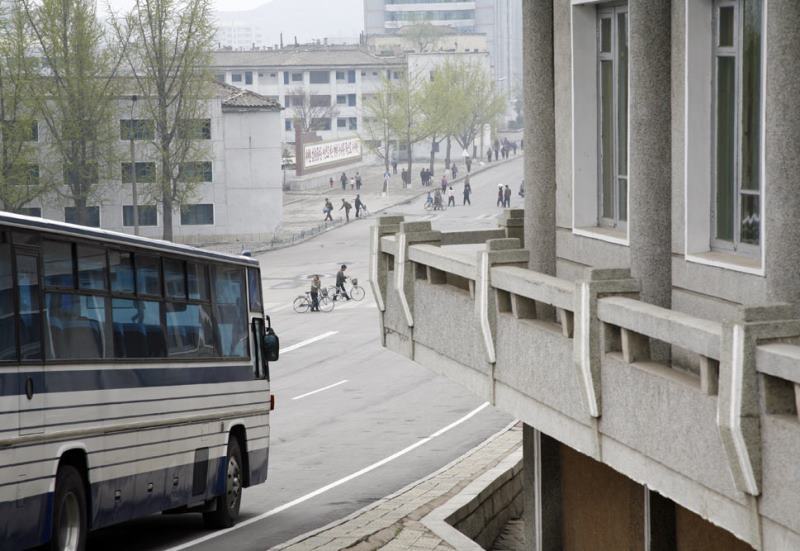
(588, 345)
(410, 233)
(738, 410)
(386, 225)
(498, 252)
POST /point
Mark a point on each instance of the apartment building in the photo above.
(640, 316)
(335, 79)
(238, 197)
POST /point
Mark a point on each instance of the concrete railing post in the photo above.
(379, 264)
(513, 222)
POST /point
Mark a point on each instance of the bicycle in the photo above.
(356, 292)
(302, 303)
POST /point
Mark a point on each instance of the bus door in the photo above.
(31, 378)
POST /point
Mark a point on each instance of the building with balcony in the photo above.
(640, 316)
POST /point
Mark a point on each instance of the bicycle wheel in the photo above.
(333, 293)
(357, 292)
(301, 305)
(326, 304)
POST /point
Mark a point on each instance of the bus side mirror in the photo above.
(272, 343)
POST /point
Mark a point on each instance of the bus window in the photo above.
(57, 257)
(148, 275)
(30, 329)
(122, 280)
(174, 279)
(91, 268)
(77, 326)
(198, 281)
(137, 329)
(230, 313)
(254, 285)
(8, 331)
(190, 332)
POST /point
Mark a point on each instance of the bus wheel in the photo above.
(70, 525)
(227, 510)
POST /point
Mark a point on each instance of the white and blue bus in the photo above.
(134, 379)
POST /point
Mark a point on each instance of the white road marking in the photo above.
(306, 342)
(320, 390)
(332, 485)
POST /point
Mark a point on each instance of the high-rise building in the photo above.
(499, 20)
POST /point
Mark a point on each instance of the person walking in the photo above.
(454, 170)
(386, 177)
(437, 199)
(359, 205)
(394, 166)
(500, 195)
(340, 279)
(507, 197)
(467, 191)
(422, 177)
(358, 181)
(489, 154)
(451, 197)
(315, 287)
(346, 206)
(352, 183)
(327, 209)
(429, 200)
(343, 181)
(444, 183)
(330, 181)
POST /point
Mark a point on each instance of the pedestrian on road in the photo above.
(352, 183)
(468, 161)
(451, 197)
(394, 166)
(403, 177)
(507, 197)
(359, 205)
(500, 195)
(514, 148)
(467, 191)
(343, 181)
(340, 279)
(454, 170)
(330, 181)
(346, 206)
(489, 154)
(386, 177)
(358, 181)
(444, 183)
(327, 209)
(437, 199)
(522, 189)
(429, 200)
(315, 286)
(422, 176)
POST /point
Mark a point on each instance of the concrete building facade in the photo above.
(640, 316)
(240, 193)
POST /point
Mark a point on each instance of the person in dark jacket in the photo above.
(343, 181)
(507, 197)
(340, 279)
(467, 191)
(346, 206)
(500, 195)
(359, 205)
(327, 210)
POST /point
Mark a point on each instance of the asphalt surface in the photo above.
(350, 416)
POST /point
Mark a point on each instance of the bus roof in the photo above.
(63, 228)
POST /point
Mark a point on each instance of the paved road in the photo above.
(353, 421)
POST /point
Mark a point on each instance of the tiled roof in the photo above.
(310, 57)
(245, 99)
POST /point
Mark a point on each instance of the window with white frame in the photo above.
(736, 147)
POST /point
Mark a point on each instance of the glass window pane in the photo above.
(148, 275)
(622, 199)
(751, 219)
(121, 272)
(607, 136)
(30, 328)
(197, 276)
(8, 330)
(57, 258)
(174, 279)
(726, 143)
(137, 329)
(76, 326)
(727, 21)
(622, 97)
(605, 35)
(254, 284)
(91, 267)
(230, 311)
(190, 331)
(751, 96)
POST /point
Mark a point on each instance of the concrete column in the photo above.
(782, 220)
(541, 486)
(649, 124)
(540, 137)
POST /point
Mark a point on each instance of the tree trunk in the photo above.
(166, 203)
(81, 213)
(433, 155)
(447, 158)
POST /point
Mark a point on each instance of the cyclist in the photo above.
(429, 201)
(340, 279)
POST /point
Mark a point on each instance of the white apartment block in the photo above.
(239, 197)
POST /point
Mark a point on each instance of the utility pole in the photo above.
(134, 191)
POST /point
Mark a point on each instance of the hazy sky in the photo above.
(221, 5)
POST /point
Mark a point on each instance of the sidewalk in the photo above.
(395, 522)
(302, 210)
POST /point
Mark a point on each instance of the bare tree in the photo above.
(76, 95)
(378, 113)
(311, 111)
(169, 55)
(423, 36)
(407, 118)
(19, 171)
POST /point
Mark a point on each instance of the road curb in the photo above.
(354, 515)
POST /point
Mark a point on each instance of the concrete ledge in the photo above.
(476, 506)
(779, 360)
(447, 261)
(539, 287)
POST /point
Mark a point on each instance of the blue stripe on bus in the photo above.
(27, 522)
(12, 384)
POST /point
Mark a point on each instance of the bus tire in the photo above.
(70, 523)
(227, 505)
